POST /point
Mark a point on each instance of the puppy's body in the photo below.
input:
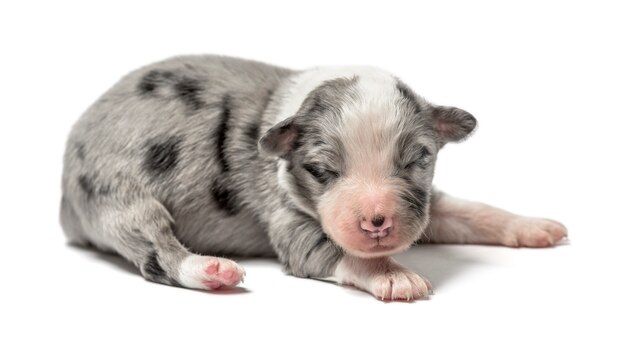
(329, 169)
(183, 132)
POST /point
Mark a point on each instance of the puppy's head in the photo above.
(359, 156)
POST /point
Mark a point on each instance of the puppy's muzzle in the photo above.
(377, 227)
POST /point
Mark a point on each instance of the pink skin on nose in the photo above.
(376, 232)
(376, 220)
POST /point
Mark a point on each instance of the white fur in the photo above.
(194, 272)
(461, 221)
(191, 272)
(382, 277)
(371, 85)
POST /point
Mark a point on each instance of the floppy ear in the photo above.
(281, 138)
(452, 124)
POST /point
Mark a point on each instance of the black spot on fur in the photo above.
(104, 190)
(252, 132)
(86, 184)
(188, 91)
(90, 188)
(149, 82)
(221, 133)
(317, 106)
(162, 157)
(224, 198)
(152, 80)
(80, 151)
(416, 199)
(409, 96)
(153, 268)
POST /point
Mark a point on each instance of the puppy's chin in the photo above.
(377, 251)
(358, 244)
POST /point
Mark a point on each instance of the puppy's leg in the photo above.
(142, 232)
(301, 245)
(458, 221)
(306, 251)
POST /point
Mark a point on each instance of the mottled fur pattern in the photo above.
(330, 170)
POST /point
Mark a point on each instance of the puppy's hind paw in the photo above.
(207, 272)
(534, 232)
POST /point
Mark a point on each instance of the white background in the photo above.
(546, 82)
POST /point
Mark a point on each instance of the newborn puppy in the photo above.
(328, 169)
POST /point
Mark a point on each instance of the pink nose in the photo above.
(376, 227)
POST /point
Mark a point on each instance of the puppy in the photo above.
(330, 170)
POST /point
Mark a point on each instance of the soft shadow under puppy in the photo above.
(122, 264)
(438, 263)
(110, 257)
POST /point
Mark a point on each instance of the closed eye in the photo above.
(422, 160)
(322, 175)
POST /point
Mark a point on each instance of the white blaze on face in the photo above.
(367, 191)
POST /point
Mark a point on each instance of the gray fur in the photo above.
(167, 163)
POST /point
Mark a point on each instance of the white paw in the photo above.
(383, 278)
(207, 272)
(533, 232)
(399, 284)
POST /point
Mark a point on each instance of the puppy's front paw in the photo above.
(533, 232)
(399, 284)
(383, 278)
